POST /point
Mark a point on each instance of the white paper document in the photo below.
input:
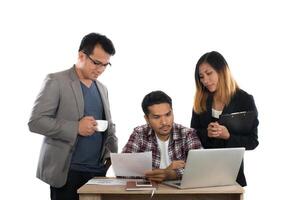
(131, 164)
(105, 181)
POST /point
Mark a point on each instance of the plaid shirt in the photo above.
(182, 139)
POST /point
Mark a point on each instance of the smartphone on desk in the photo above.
(143, 183)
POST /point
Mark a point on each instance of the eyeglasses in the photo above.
(96, 62)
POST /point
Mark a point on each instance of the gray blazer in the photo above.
(56, 114)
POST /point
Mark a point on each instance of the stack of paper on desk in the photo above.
(107, 181)
(131, 164)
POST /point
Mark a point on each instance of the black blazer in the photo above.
(241, 101)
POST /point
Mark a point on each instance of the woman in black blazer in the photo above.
(217, 93)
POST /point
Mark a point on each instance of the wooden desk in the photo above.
(118, 192)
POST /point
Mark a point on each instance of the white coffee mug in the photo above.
(102, 125)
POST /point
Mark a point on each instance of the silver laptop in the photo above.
(210, 167)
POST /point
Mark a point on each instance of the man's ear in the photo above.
(81, 56)
(146, 118)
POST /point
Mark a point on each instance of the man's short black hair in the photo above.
(155, 97)
(89, 42)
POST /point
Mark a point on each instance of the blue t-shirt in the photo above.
(86, 156)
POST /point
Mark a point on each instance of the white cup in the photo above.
(102, 125)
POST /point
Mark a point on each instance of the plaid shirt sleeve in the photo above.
(133, 143)
(191, 142)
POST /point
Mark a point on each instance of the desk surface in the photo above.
(162, 189)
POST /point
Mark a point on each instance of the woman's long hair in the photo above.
(226, 86)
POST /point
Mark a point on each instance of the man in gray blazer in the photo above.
(65, 112)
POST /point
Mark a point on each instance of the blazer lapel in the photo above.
(229, 108)
(104, 99)
(77, 92)
(209, 105)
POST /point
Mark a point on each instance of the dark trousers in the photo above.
(75, 180)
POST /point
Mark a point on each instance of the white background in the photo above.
(158, 44)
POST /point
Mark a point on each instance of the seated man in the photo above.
(168, 141)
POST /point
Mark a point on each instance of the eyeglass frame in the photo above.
(96, 62)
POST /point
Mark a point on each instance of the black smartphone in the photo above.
(143, 183)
